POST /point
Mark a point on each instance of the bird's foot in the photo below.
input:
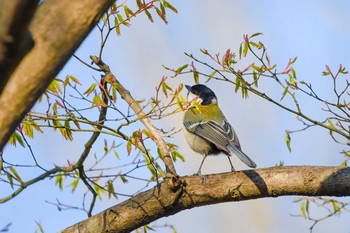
(203, 177)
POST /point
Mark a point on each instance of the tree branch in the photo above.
(169, 199)
(15, 38)
(58, 28)
(126, 95)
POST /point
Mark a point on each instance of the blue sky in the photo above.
(315, 31)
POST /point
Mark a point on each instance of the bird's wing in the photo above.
(218, 134)
(222, 135)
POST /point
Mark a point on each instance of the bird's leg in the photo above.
(200, 167)
(199, 172)
(232, 168)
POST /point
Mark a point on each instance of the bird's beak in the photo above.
(188, 87)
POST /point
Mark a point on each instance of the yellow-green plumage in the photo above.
(206, 129)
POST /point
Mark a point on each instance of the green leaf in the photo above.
(148, 228)
(14, 172)
(255, 34)
(74, 184)
(74, 79)
(116, 154)
(196, 76)
(16, 137)
(165, 88)
(28, 129)
(336, 207)
(298, 199)
(284, 92)
(245, 49)
(293, 61)
(117, 26)
(90, 89)
(175, 154)
(331, 125)
(169, 6)
(55, 87)
(288, 139)
(211, 75)
(99, 191)
(68, 135)
(148, 134)
(74, 119)
(110, 189)
(238, 84)
(59, 180)
(255, 78)
(124, 180)
(244, 89)
(161, 13)
(149, 15)
(114, 94)
(41, 229)
(127, 11)
(128, 147)
(9, 177)
(303, 211)
(139, 4)
(180, 69)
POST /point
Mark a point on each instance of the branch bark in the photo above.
(126, 95)
(15, 38)
(172, 197)
(58, 28)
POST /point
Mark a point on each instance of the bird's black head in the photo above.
(205, 94)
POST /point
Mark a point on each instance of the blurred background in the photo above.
(315, 31)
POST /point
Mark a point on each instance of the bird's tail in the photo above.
(243, 157)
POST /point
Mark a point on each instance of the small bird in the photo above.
(206, 128)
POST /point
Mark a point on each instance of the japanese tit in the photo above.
(206, 129)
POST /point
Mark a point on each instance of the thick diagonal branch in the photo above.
(15, 38)
(217, 188)
(58, 28)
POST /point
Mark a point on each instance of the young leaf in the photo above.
(16, 137)
(196, 76)
(180, 69)
(90, 89)
(59, 180)
(245, 49)
(117, 26)
(149, 15)
(116, 154)
(284, 92)
(14, 172)
(9, 177)
(28, 129)
(124, 180)
(169, 6)
(288, 139)
(74, 184)
(128, 147)
(110, 189)
(255, 34)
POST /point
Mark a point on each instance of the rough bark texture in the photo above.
(15, 38)
(57, 28)
(174, 196)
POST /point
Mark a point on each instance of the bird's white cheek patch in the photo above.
(193, 98)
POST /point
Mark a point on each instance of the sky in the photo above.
(315, 31)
